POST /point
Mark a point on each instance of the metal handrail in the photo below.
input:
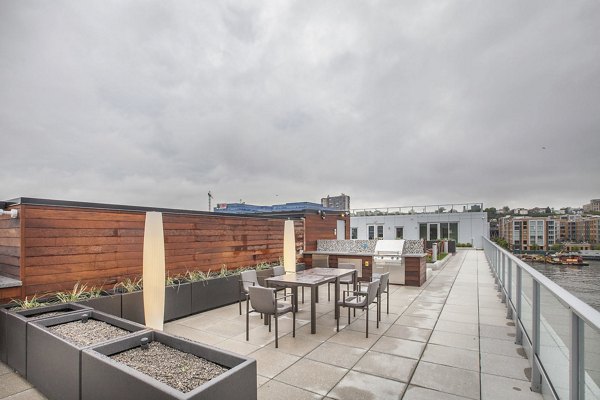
(583, 310)
(501, 263)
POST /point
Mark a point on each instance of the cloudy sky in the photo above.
(391, 102)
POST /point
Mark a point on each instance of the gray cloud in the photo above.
(156, 103)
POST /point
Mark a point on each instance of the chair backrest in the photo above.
(278, 270)
(383, 281)
(262, 299)
(346, 266)
(320, 261)
(248, 278)
(372, 291)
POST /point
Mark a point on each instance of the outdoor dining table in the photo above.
(312, 278)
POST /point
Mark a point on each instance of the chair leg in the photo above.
(240, 304)
(269, 317)
(293, 323)
(247, 321)
(388, 299)
(378, 310)
(348, 315)
(276, 333)
(302, 294)
(338, 324)
(328, 292)
(367, 321)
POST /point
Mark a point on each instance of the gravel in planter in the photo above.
(87, 333)
(182, 371)
(46, 314)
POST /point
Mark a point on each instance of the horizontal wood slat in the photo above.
(65, 245)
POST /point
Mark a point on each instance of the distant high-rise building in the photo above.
(341, 202)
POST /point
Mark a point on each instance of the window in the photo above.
(371, 232)
(380, 232)
(433, 232)
(354, 233)
(399, 232)
(423, 231)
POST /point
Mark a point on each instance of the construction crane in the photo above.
(210, 196)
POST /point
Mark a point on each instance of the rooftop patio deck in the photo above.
(449, 339)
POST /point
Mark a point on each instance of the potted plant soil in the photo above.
(212, 291)
(54, 348)
(17, 327)
(155, 365)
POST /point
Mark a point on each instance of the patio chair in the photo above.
(346, 280)
(247, 279)
(361, 301)
(265, 301)
(280, 270)
(384, 287)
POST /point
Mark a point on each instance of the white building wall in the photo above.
(471, 225)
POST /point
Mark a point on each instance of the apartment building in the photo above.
(593, 206)
(541, 233)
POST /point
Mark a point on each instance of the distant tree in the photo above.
(548, 210)
(556, 247)
(505, 209)
(491, 210)
(535, 247)
(501, 242)
(575, 248)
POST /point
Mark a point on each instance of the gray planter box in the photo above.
(102, 378)
(109, 303)
(214, 293)
(53, 363)
(132, 307)
(178, 301)
(3, 311)
(17, 323)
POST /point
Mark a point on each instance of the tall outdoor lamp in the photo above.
(289, 246)
(154, 271)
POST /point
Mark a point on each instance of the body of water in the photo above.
(583, 282)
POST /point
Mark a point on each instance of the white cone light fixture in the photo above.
(289, 247)
(154, 271)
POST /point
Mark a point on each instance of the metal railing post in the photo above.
(503, 274)
(536, 375)
(576, 359)
(519, 337)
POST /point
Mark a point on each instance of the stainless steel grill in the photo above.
(388, 258)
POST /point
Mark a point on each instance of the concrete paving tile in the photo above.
(451, 339)
(270, 362)
(298, 346)
(509, 367)
(409, 333)
(495, 387)
(493, 320)
(354, 338)
(226, 329)
(457, 327)
(312, 375)
(358, 385)
(193, 334)
(386, 366)
(459, 317)
(360, 326)
(337, 354)
(236, 346)
(417, 322)
(501, 347)
(452, 357)
(498, 332)
(399, 347)
(275, 390)
(29, 394)
(261, 380)
(419, 393)
(446, 379)
(12, 384)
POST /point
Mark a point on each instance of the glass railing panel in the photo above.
(526, 302)
(555, 341)
(514, 283)
(591, 363)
